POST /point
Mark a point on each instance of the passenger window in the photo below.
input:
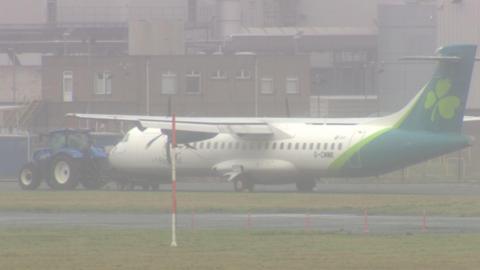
(297, 146)
(215, 145)
(266, 145)
(222, 145)
(325, 146)
(340, 146)
(208, 145)
(281, 146)
(311, 146)
(274, 146)
(332, 146)
(289, 146)
(304, 147)
(319, 145)
(200, 145)
(230, 144)
(237, 145)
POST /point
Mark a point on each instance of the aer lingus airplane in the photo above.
(249, 151)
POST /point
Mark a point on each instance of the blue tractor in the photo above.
(70, 159)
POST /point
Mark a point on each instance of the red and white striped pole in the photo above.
(173, 158)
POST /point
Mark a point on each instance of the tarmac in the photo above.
(328, 223)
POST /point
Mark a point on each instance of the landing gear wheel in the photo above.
(306, 186)
(29, 178)
(241, 185)
(63, 173)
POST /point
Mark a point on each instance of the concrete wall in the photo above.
(459, 23)
(23, 12)
(404, 30)
(338, 13)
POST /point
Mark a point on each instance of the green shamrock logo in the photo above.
(439, 101)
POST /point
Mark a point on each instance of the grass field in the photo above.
(155, 202)
(39, 248)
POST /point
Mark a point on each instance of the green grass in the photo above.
(158, 202)
(41, 248)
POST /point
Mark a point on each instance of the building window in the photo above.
(103, 83)
(169, 83)
(193, 82)
(292, 85)
(67, 85)
(266, 86)
(243, 74)
(219, 75)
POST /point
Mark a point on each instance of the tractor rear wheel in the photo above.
(29, 177)
(64, 173)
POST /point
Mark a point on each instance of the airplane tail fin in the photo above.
(440, 105)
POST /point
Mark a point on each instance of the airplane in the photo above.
(250, 151)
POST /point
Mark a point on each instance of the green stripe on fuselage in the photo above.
(393, 149)
(339, 163)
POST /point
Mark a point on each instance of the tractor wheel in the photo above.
(306, 186)
(29, 177)
(64, 173)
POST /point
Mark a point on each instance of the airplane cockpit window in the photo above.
(57, 141)
(78, 141)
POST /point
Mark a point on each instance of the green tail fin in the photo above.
(440, 106)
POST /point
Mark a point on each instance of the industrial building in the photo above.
(317, 58)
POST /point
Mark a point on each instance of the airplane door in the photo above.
(356, 160)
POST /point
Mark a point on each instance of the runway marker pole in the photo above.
(308, 222)
(174, 182)
(365, 221)
(424, 221)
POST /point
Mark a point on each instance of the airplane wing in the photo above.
(247, 128)
(471, 118)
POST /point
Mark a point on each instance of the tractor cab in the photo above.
(68, 138)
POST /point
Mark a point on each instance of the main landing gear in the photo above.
(240, 184)
(306, 186)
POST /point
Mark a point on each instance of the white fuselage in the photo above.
(309, 151)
